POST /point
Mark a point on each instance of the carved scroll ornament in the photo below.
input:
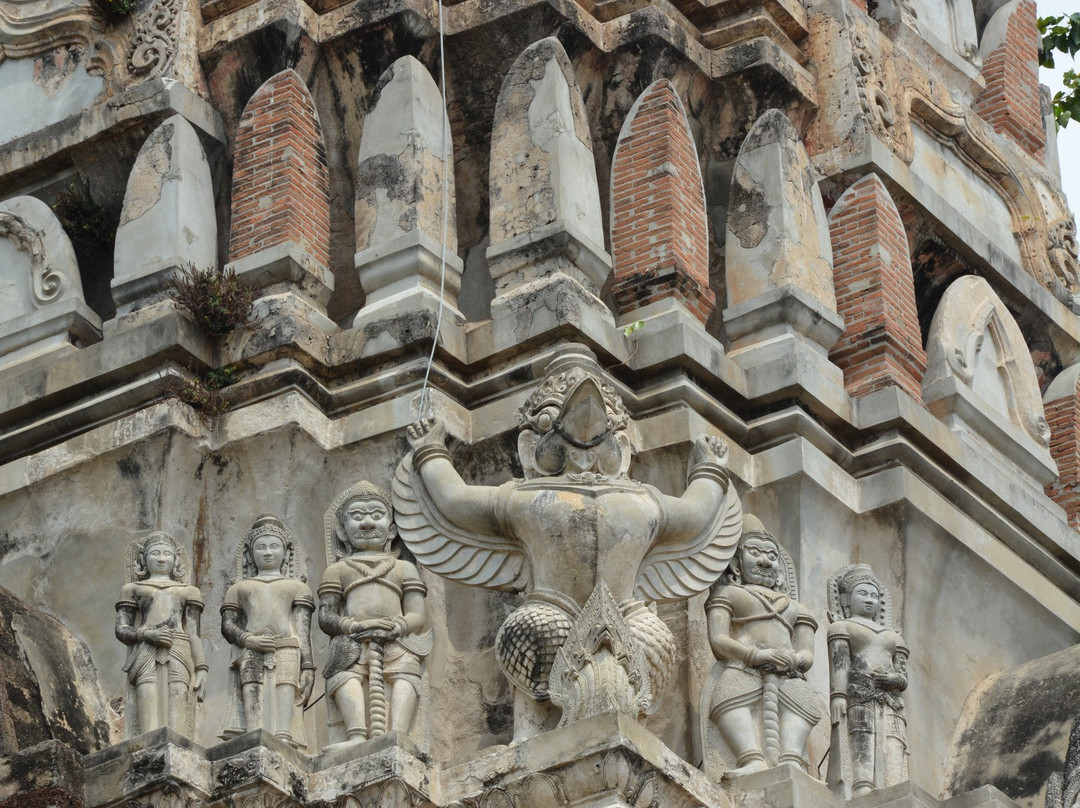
(46, 283)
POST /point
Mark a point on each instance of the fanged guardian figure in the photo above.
(577, 524)
(757, 696)
(372, 605)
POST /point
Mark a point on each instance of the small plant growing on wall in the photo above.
(218, 301)
(202, 390)
(112, 10)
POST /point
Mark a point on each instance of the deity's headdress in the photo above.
(266, 524)
(337, 543)
(785, 579)
(135, 568)
(844, 580)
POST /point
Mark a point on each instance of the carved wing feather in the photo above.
(448, 550)
(680, 571)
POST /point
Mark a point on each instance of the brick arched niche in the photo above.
(875, 293)
(280, 226)
(1062, 405)
(1012, 100)
(659, 230)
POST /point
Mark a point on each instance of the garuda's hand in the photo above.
(709, 449)
(426, 432)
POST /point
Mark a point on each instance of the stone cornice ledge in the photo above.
(156, 100)
(234, 19)
(608, 759)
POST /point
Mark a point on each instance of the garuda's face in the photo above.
(581, 437)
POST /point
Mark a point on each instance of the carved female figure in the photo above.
(157, 617)
(867, 675)
(266, 616)
(757, 695)
(371, 603)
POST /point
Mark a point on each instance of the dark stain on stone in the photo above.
(1030, 776)
(62, 660)
(7, 544)
(403, 330)
(499, 717)
(237, 772)
(129, 468)
(200, 546)
(146, 766)
(297, 788)
(934, 267)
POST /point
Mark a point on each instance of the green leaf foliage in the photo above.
(1062, 35)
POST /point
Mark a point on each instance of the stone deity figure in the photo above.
(157, 618)
(579, 537)
(758, 709)
(867, 678)
(266, 616)
(372, 604)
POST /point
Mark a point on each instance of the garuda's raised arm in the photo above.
(451, 527)
(701, 529)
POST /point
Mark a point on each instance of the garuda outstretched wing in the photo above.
(449, 551)
(681, 570)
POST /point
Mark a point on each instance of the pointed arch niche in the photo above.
(980, 380)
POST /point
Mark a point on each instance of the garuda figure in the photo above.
(867, 679)
(576, 532)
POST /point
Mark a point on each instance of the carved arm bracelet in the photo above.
(427, 453)
(709, 471)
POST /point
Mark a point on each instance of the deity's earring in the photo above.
(736, 574)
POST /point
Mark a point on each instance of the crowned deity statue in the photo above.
(266, 617)
(757, 707)
(867, 679)
(157, 618)
(372, 605)
(576, 532)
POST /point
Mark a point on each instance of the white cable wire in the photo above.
(445, 210)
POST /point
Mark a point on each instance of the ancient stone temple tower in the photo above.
(535, 404)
